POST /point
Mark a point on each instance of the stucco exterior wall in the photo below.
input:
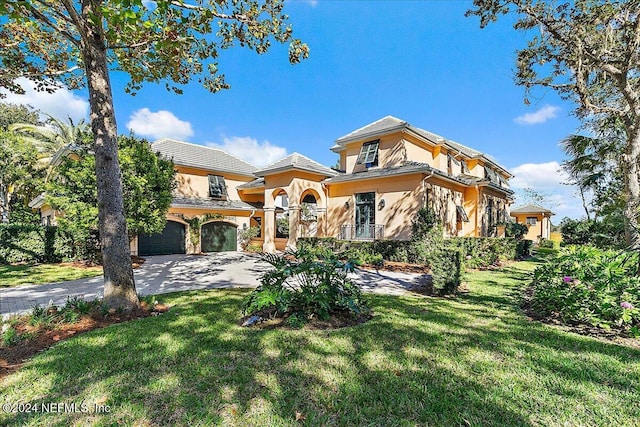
(402, 197)
(194, 183)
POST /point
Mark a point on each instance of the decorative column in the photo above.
(269, 230)
(294, 224)
(321, 222)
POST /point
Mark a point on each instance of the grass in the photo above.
(30, 274)
(470, 361)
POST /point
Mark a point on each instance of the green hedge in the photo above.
(484, 251)
(34, 243)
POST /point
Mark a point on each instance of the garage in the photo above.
(219, 237)
(170, 241)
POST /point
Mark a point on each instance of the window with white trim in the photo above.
(532, 220)
(369, 154)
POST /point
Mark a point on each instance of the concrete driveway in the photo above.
(171, 273)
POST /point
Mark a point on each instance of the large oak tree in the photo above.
(589, 52)
(75, 43)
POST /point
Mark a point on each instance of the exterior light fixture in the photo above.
(381, 204)
(346, 204)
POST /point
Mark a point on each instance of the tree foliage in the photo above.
(148, 182)
(19, 175)
(16, 113)
(163, 41)
(589, 52)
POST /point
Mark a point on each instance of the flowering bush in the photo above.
(585, 284)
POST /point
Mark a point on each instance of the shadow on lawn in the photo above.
(414, 363)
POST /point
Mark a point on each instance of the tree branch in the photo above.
(46, 21)
(233, 17)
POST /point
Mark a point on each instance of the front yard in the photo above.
(34, 274)
(473, 360)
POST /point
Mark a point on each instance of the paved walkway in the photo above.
(171, 273)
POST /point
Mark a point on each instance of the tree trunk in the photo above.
(632, 188)
(119, 285)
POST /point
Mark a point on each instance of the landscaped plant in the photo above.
(301, 287)
(245, 236)
(585, 284)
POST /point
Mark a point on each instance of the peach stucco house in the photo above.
(388, 170)
(537, 218)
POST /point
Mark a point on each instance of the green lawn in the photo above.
(470, 361)
(15, 275)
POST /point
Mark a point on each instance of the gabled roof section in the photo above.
(531, 209)
(385, 124)
(296, 161)
(201, 157)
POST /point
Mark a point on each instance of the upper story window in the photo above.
(491, 175)
(217, 187)
(532, 220)
(369, 154)
(465, 167)
(453, 165)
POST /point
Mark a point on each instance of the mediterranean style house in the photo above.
(388, 170)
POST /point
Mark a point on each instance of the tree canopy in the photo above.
(148, 182)
(589, 52)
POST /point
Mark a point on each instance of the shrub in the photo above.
(302, 287)
(446, 266)
(523, 249)
(515, 230)
(245, 236)
(584, 284)
(484, 251)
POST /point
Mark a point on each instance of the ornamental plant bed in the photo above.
(33, 339)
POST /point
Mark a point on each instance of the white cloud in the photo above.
(250, 150)
(159, 124)
(60, 104)
(542, 115)
(549, 180)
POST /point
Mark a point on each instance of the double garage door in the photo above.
(216, 237)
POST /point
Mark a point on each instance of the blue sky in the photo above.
(421, 61)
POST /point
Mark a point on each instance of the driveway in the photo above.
(172, 273)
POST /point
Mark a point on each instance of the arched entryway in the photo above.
(309, 214)
(219, 236)
(171, 240)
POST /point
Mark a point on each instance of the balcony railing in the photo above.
(361, 232)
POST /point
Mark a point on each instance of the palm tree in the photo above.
(53, 135)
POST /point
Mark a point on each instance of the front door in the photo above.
(365, 215)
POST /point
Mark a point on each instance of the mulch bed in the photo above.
(14, 356)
